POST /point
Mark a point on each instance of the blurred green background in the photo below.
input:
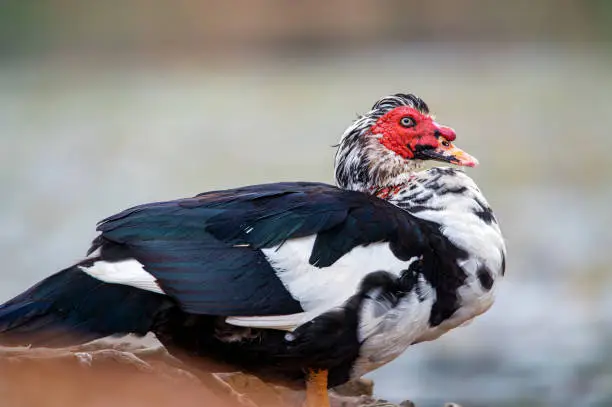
(108, 104)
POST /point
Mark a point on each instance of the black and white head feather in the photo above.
(362, 163)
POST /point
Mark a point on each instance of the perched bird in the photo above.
(297, 282)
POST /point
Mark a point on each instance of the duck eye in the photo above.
(407, 121)
(445, 143)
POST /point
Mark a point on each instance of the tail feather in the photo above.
(71, 308)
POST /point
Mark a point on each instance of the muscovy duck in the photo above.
(297, 282)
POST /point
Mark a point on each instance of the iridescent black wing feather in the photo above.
(204, 251)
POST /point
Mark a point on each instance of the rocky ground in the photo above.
(100, 374)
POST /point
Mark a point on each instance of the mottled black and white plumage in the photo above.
(362, 161)
(280, 278)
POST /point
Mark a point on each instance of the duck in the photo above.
(306, 284)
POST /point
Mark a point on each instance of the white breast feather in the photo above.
(482, 241)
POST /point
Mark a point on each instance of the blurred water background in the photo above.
(104, 105)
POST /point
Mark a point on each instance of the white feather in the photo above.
(279, 322)
(386, 336)
(126, 272)
(482, 241)
(319, 289)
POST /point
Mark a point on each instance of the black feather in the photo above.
(204, 250)
(71, 307)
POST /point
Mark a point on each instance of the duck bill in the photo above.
(451, 154)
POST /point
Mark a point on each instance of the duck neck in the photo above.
(363, 164)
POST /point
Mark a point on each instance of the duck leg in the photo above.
(316, 389)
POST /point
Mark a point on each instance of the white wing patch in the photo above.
(279, 322)
(126, 272)
(319, 289)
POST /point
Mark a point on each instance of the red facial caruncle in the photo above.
(404, 129)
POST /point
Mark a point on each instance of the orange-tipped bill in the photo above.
(451, 154)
